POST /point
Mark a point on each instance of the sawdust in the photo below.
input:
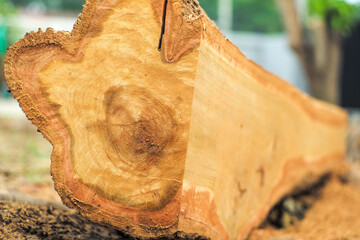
(334, 216)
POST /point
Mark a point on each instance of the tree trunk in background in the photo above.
(225, 12)
(327, 54)
(318, 49)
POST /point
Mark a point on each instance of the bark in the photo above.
(195, 138)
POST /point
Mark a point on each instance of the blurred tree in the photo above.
(211, 8)
(339, 15)
(256, 16)
(6, 10)
(317, 40)
(73, 5)
(248, 15)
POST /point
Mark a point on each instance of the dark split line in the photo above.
(163, 25)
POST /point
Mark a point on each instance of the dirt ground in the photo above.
(46, 221)
(29, 221)
(24, 160)
(31, 209)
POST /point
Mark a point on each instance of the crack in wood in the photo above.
(262, 175)
(163, 25)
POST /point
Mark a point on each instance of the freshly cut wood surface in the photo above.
(193, 138)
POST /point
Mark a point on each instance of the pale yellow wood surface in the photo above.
(242, 136)
(193, 138)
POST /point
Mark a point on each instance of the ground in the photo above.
(30, 208)
(29, 221)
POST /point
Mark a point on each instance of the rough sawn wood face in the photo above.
(193, 138)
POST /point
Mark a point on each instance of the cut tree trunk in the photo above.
(193, 138)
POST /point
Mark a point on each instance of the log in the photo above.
(193, 138)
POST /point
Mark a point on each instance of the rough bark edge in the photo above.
(183, 28)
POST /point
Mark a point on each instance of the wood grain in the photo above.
(194, 138)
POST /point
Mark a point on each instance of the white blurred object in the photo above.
(36, 8)
(353, 1)
(225, 12)
(10, 109)
(273, 53)
(31, 21)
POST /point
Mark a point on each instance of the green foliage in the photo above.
(75, 5)
(256, 16)
(210, 7)
(249, 15)
(340, 15)
(6, 8)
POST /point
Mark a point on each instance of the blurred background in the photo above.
(313, 44)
